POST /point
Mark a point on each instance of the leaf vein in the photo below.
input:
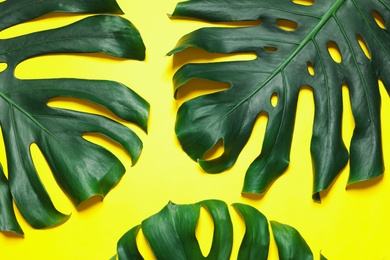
(13, 105)
(372, 31)
(353, 54)
(270, 8)
(20, 7)
(55, 41)
(280, 68)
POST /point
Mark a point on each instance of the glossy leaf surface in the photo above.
(127, 246)
(171, 234)
(256, 240)
(7, 217)
(304, 53)
(82, 169)
(296, 249)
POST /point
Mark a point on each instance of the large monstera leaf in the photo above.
(286, 61)
(81, 168)
(171, 234)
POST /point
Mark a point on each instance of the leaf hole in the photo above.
(75, 104)
(348, 121)
(378, 19)
(199, 87)
(310, 68)
(45, 175)
(3, 157)
(363, 45)
(334, 51)
(73, 65)
(3, 66)
(303, 2)
(82, 105)
(205, 231)
(287, 25)
(86, 106)
(274, 99)
(270, 48)
(109, 144)
(216, 151)
(197, 55)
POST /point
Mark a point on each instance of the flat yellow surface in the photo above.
(349, 224)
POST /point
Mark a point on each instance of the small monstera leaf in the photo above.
(286, 61)
(81, 168)
(171, 235)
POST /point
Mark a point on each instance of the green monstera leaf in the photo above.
(82, 169)
(287, 59)
(171, 234)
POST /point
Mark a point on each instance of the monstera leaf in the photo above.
(171, 234)
(82, 169)
(287, 59)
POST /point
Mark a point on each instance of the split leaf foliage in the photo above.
(82, 169)
(288, 58)
(171, 234)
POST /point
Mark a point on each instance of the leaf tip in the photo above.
(316, 197)
(16, 233)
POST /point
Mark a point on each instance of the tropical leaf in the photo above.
(82, 169)
(171, 234)
(296, 249)
(255, 243)
(287, 59)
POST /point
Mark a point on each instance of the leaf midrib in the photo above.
(325, 18)
(14, 105)
(303, 43)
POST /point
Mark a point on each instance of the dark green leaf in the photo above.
(14, 12)
(171, 234)
(223, 229)
(281, 69)
(7, 215)
(255, 243)
(81, 168)
(127, 246)
(291, 245)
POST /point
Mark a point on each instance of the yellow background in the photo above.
(350, 224)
